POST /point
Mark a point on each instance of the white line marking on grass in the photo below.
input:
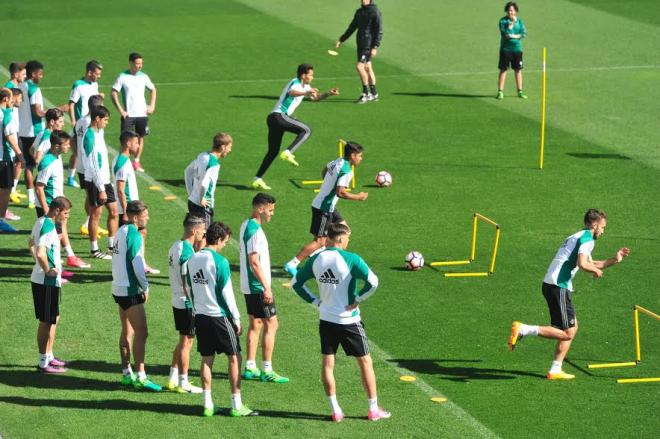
(402, 75)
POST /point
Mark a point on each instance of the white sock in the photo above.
(43, 360)
(72, 172)
(128, 371)
(50, 356)
(142, 375)
(373, 404)
(526, 330)
(111, 241)
(267, 366)
(31, 195)
(556, 367)
(294, 262)
(86, 223)
(183, 380)
(69, 251)
(95, 245)
(250, 364)
(208, 401)
(174, 373)
(334, 405)
(236, 402)
(13, 188)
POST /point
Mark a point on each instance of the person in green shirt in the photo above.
(512, 30)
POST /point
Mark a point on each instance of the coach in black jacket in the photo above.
(369, 27)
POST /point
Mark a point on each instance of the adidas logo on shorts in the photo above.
(198, 278)
(328, 277)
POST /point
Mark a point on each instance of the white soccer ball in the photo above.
(383, 179)
(414, 260)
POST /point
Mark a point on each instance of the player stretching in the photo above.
(557, 289)
(336, 272)
(338, 175)
(369, 34)
(256, 286)
(512, 30)
(217, 320)
(130, 289)
(201, 177)
(194, 228)
(279, 121)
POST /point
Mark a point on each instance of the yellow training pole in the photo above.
(647, 312)
(638, 380)
(341, 148)
(484, 274)
(543, 82)
(307, 182)
(444, 263)
(638, 349)
(606, 365)
(474, 237)
(497, 243)
(353, 184)
(486, 219)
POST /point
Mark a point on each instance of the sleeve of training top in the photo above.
(377, 29)
(362, 271)
(147, 82)
(504, 26)
(118, 83)
(44, 174)
(75, 95)
(94, 164)
(210, 176)
(188, 176)
(298, 283)
(136, 258)
(523, 29)
(586, 247)
(345, 179)
(37, 98)
(228, 291)
(351, 28)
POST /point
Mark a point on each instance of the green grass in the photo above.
(452, 150)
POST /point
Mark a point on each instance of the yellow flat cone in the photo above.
(439, 399)
(169, 197)
(332, 52)
(407, 378)
(154, 188)
(287, 285)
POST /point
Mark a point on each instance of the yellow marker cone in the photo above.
(154, 188)
(439, 399)
(169, 197)
(287, 285)
(407, 378)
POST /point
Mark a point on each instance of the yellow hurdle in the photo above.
(468, 274)
(607, 365)
(445, 263)
(340, 153)
(543, 83)
(638, 380)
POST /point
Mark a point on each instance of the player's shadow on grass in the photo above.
(22, 273)
(460, 373)
(590, 155)
(17, 262)
(440, 95)
(31, 378)
(115, 368)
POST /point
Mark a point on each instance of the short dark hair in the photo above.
(58, 137)
(94, 101)
(217, 231)
(61, 203)
(127, 135)
(191, 220)
(16, 91)
(53, 114)
(337, 229)
(303, 69)
(133, 56)
(5, 93)
(593, 216)
(33, 66)
(510, 4)
(16, 67)
(135, 207)
(93, 65)
(352, 148)
(221, 139)
(99, 111)
(262, 199)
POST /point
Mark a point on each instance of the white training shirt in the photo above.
(253, 240)
(10, 128)
(122, 168)
(128, 276)
(563, 267)
(44, 234)
(132, 89)
(30, 125)
(178, 255)
(79, 131)
(51, 175)
(338, 174)
(80, 94)
(97, 168)
(287, 104)
(201, 177)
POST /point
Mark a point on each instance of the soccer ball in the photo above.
(383, 179)
(414, 260)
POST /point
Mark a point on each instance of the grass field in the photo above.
(452, 150)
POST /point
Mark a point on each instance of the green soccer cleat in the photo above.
(272, 377)
(522, 95)
(243, 411)
(288, 156)
(210, 411)
(147, 385)
(127, 380)
(251, 374)
(500, 95)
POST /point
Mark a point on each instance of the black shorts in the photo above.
(26, 144)
(216, 335)
(204, 212)
(321, 220)
(6, 174)
(352, 338)
(93, 194)
(364, 55)
(184, 321)
(81, 180)
(46, 300)
(562, 313)
(513, 59)
(126, 302)
(139, 125)
(257, 308)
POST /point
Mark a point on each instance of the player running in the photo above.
(256, 288)
(280, 121)
(512, 30)
(217, 320)
(557, 289)
(336, 180)
(336, 272)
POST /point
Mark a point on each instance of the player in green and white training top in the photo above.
(256, 287)
(217, 320)
(41, 145)
(336, 180)
(512, 30)
(194, 228)
(336, 272)
(201, 177)
(8, 150)
(46, 282)
(133, 107)
(130, 290)
(573, 255)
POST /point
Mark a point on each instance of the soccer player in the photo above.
(130, 289)
(573, 255)
(336, 179)
(133, 107)
(256, 287)
(41, 144)
(97, 173)
(367, 21)
(14, 127)
(49, 184)
(31, 120)
(201, 176)
(512, 30)
(280, 121)
(9, 151)
(194, 228)
(217, 320)
(46, 282)
(336, 272)
(17, 76)
(81, 91)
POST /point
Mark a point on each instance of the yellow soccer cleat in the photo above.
(287, 156)
(515, 336)
(14, 198)
(258, 183)
(561, 375)
(102, 231)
